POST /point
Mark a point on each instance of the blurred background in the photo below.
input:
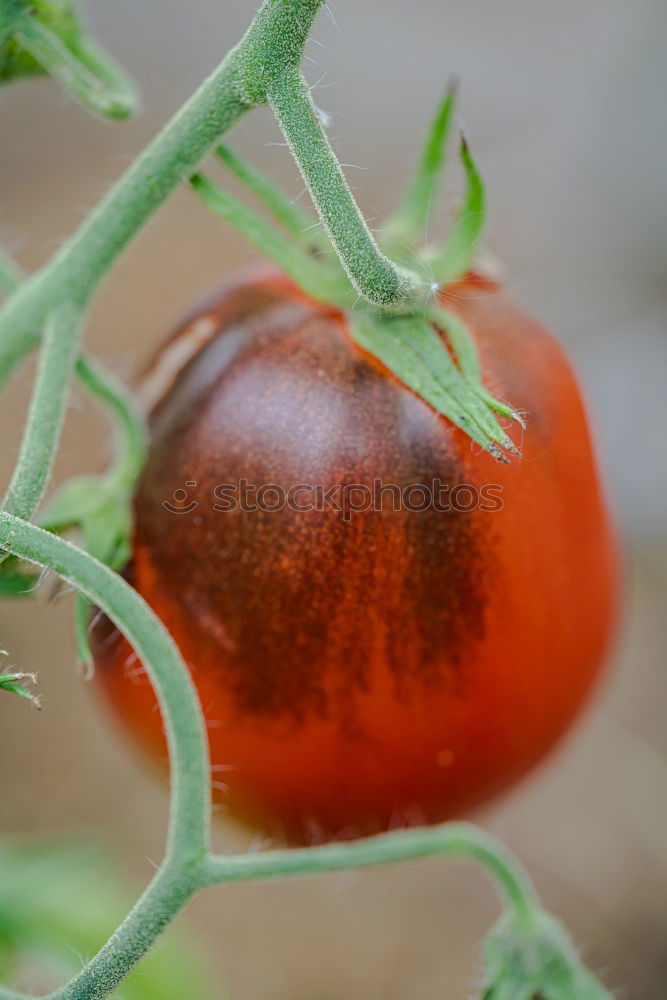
(564, 107)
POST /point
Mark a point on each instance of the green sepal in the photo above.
(46, 37)
(15, 684)
(102, 511)
(539, 960)
(301, 224)
(408, 225)
(413, 351)
(317, 279)
(461, 341)
(455, 255)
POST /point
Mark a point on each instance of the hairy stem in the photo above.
(78, 268)
(375, 277)
(190, 803)
(129, 424)
(46, 414)
(166, 895)
(458, 839)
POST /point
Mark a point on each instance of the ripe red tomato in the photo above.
(359, 670)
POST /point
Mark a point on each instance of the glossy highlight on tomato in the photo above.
(390, 667)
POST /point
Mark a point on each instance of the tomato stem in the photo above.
(47, 411)
(376, 278)
(450, 839)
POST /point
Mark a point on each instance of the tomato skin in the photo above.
(399, 667)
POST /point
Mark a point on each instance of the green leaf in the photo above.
(412, 350)
(408, 225)
(316, 279)
(74, 502)
(456, 254)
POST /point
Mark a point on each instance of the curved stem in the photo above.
(46, 414)
(190, 802)
(129, 424)
(459, 839)
(375, 277)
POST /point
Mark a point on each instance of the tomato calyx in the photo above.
(428, 349)
(535, 958)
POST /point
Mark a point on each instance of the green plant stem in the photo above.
(78, 268)
(450, 839)
(269, 53)
(374, 276)
(188, 829)
(129, 424)
(105, 387)
(46, 414)
(166, 895)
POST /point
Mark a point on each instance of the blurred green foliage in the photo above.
(61, 18)
(60, 901)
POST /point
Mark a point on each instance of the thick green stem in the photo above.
(451, 839)
(83, 261)
(375, 277)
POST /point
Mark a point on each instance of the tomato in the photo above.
(395, 661)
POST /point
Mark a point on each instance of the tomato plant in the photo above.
(376, 664)
(394, 662)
